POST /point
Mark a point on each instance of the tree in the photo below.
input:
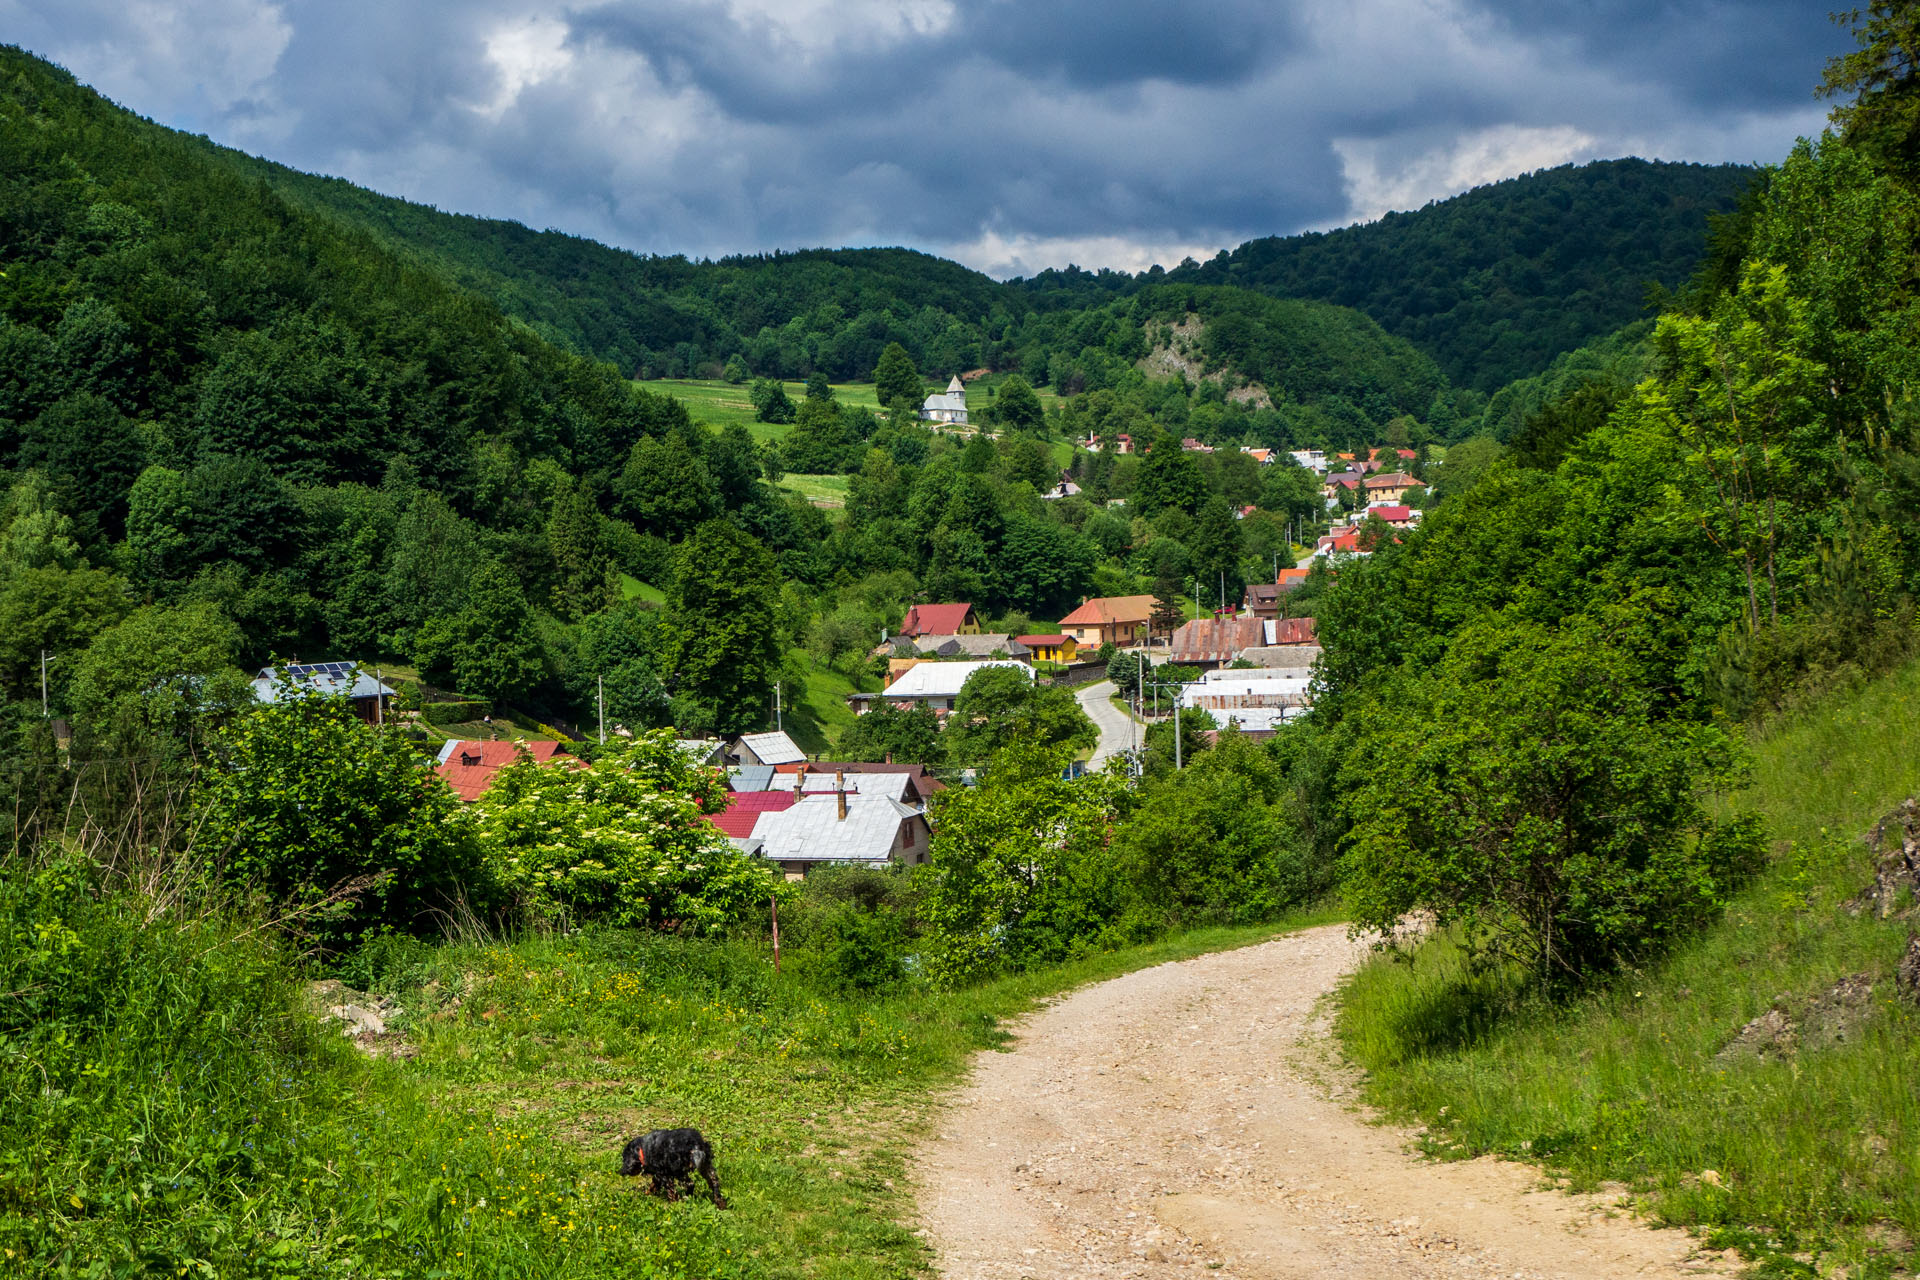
(1527, 790)
(161, 675)
(1883, 74)
(818, 443)
(36, 534)
(896, 379)
(1017, 405)
(1215, 550)
(770, 401)
(665, 487)
(818, 388)
(1169, 606)
(311, 798)
(491, 646)
(1001, 706)
(435, 554)
(1219, 842)
(723, 643)
(1169, 478)
(573, 541)
(620, 841)
(1022, 867)
(1043, 568)
(159, 516)
(735, 371)
(910, 735)
(56, 611)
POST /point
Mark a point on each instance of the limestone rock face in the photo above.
(1895, 845)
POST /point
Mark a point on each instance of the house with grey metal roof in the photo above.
(937, 684)
(993, 644)
(369, 696)
(766, 748)
(841, 827)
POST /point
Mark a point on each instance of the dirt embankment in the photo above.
(1190, 1121)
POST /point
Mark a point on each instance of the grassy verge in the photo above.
(167, 1107)
(631, 588)
(1815, 1161)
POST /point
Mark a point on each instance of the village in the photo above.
(1249, 668)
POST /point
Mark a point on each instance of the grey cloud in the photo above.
(672, 127)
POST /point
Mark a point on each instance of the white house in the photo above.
(937, 684)
(950, 407)
(1311, 459)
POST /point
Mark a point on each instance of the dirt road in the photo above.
(1190, 1121)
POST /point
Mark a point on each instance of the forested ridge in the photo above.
(1491, 284)
(1496, 282)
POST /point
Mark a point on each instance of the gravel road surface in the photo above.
(1191, 1120)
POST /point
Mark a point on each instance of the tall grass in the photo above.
(169, 1106)
(1816, 1159)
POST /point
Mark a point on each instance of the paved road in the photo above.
(1193, 1122)
(1116, 728)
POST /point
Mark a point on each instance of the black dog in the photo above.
(670, 1158)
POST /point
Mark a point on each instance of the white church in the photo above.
(950, 407)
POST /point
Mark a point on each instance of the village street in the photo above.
(1116, 729)
(1190, 1120)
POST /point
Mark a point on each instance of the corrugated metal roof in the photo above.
(744, 809)
(469, 766)
(750, 777)
(935, 619)
(345, 679)
(772, 748)
(943, 679)
(814, 831)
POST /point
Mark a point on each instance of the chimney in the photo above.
(840, 791)
(800, 782)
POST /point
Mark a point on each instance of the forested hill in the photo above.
(1493, 284)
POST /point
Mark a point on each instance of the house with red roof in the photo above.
(940, 620)
(469, 767)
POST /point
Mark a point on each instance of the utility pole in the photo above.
(600, 701)
(1176, 732)
(379, 699)
(779, 718)
(43, 682)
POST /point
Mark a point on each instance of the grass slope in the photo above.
(723, 404)
(1817, 1159)
(170, 1109)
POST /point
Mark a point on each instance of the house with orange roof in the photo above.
(1120, 620)
(1390, 486)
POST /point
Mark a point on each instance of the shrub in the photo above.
(620, 841)
(309, 798)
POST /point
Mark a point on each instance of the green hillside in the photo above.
(1814, 1152)
(1496, 282)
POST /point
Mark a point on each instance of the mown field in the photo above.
(723, 403)
(1809, 1162)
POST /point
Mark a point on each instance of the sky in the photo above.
(1010, 135)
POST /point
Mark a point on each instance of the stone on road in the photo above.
(1116, 727)
(1191, 1120)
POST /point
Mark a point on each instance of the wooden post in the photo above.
(773, 907)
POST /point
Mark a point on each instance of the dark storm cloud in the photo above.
(1720, 54)
(1011, 133)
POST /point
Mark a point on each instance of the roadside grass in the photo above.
(813, 1099)
(821, 491)
(1815, 1160)
(169, 1107)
